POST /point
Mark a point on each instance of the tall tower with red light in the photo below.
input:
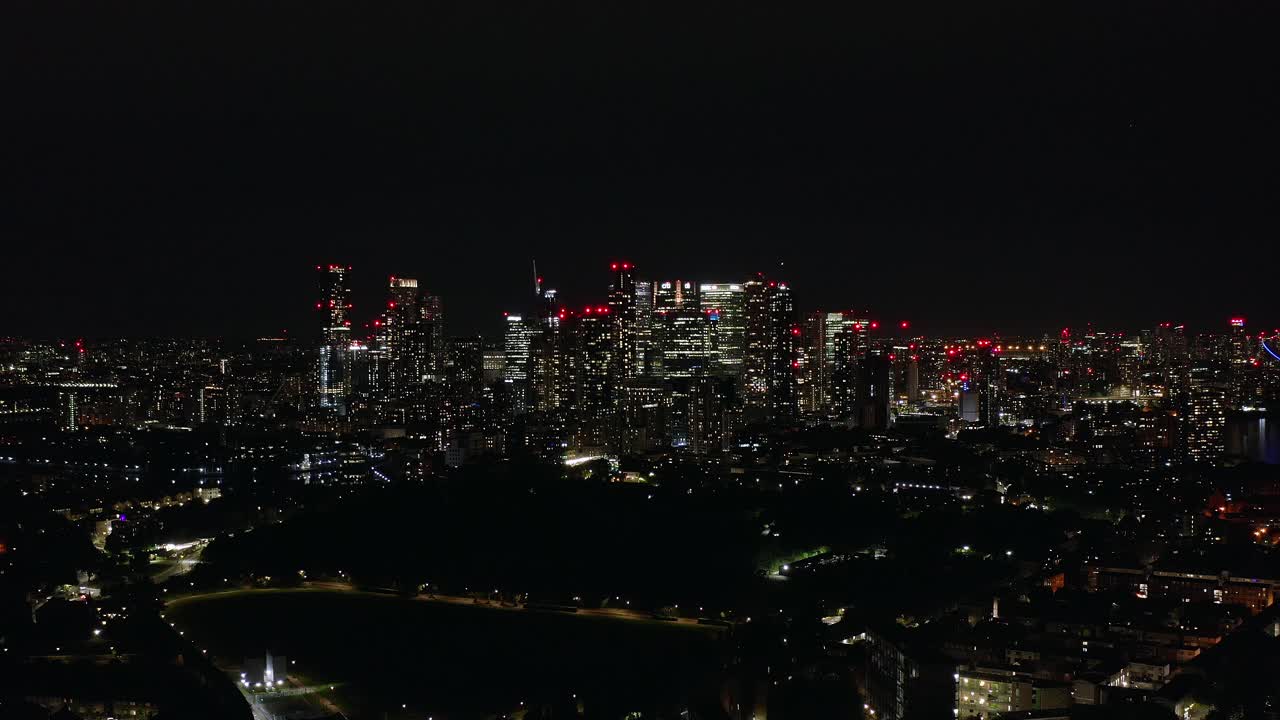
(769, 359)
(333, 364)
(622, 317)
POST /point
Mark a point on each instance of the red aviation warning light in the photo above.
(795, 331)
(1237, 322)
(613, 266)
(904, 324)
(875, 325)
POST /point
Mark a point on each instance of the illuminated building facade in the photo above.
(1205, 420)
(688, 344)
(770, 338)
(593, 396)
(725, 304)
(332, 367)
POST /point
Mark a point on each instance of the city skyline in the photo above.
(485, 317)
(718, 360)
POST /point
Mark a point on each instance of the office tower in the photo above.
(518, 340)
(647, 348)
(688, 343)
(671, 295)
(333, 373)
(725, 303)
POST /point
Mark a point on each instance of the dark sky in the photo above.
(178, 167)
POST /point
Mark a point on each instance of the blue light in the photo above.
(1271, 352)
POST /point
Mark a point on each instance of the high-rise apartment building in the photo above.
(770, 336)
(332, 367)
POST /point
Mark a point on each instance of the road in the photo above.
(180, 562)
(608, 613)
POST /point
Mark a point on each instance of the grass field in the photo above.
(401, 658)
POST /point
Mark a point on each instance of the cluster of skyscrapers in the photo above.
(692, 364)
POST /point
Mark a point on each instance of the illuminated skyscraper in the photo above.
(671, 295)
(647, 349)
(1205, 420)
(783, 363)
(517, 340)
(431, 338)
(769, 362)
(333, 371)
(756, 345)
(688, 344)
(725, 304)
(622, 314)
(402, 332)
(594, 397)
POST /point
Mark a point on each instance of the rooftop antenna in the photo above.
(537, 281)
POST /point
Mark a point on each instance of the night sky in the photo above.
(178, 168)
